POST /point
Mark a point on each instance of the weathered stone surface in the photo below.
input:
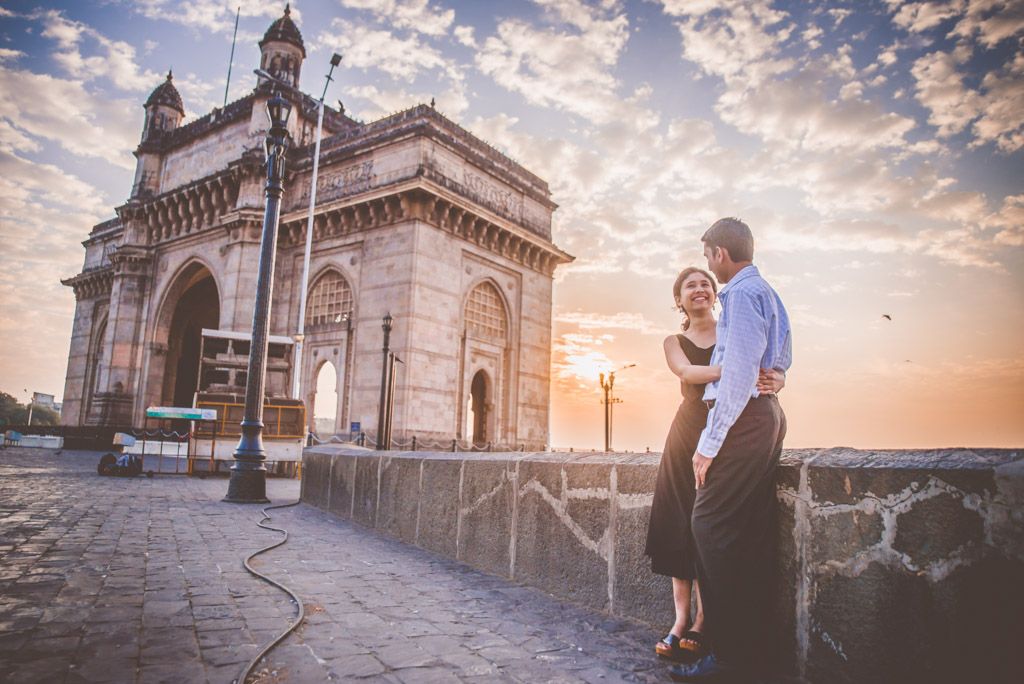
(788, 475)
(439, 505)
(637, 478)
(488, 496)
(639, 593)
(876, 627)
(343, 476)
(1006, 519)
(398, 507)
(364, 508)
(787, 578)
(842, 485)
(546, 473)
(552, 556)
(934, 528)
(316, 478)
(988, 596)
(840, 535)
(845, 475)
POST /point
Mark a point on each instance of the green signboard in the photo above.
(180, 413)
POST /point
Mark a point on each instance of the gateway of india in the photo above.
(414, 216)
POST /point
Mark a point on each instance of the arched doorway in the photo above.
(325, 401)
(198, 307)
(95, 359)
(477, 413)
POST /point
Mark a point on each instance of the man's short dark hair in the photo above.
(732, 235)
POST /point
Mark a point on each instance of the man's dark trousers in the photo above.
(735, 533)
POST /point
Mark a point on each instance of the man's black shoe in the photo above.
(707, 669)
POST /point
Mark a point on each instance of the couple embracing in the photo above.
(712, 520)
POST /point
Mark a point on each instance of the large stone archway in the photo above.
(191, 303)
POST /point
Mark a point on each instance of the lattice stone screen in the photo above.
(485, 313)
(330, 298)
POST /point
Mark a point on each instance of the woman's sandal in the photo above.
(693, 642)
(676, 649)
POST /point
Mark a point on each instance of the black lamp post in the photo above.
(609, 401)
(248, 482)
(384, 378)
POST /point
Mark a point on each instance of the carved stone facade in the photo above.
(414, 215)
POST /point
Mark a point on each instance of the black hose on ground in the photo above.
(295, 597)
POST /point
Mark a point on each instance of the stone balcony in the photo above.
(893, 565)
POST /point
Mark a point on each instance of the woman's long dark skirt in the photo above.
(670, 544)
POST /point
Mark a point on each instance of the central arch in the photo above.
(192, 303)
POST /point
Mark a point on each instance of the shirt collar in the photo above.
(744, 273)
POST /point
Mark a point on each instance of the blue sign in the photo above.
(355, 427)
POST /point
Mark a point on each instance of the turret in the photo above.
(282, 50)
(164, 111)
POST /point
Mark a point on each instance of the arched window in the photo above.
(330, 300)
(485, 313)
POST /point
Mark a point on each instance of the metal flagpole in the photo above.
(301, 334)
(231, 61)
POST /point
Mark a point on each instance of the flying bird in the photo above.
(887, 317)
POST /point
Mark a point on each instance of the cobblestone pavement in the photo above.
(140, 580)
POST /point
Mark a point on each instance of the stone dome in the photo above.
(284, 30)
(166, 94)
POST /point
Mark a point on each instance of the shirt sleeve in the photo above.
(744, 346)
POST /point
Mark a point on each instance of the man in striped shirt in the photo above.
(733, 515)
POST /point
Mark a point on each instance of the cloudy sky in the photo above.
(874, 146)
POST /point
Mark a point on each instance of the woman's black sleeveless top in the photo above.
(694, 394)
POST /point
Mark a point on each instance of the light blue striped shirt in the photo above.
(753, 333)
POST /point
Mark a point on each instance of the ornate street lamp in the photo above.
(608, 385)
(385, 374)
(248, 482)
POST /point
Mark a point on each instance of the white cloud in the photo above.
(991, 21)
(1001, 107)
(416, 15)
(994, 108)
(922, 16)
(450, 102)
(115, 59)
(367, 48)
(8, 55)
(65, 112)
(742, 39)
(1009, 221)
(567, 65)
(940, 88)
(622, 320)
(465, 36)
(795, 113)
(215, 16)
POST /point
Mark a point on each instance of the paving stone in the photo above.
(356, 666)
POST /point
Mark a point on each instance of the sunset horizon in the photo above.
(875, 151)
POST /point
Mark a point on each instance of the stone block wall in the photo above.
(894, 566)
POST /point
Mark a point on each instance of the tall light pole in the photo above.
(608, 384)
(248, 483)
(300, 335)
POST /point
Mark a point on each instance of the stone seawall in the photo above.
(894, 566)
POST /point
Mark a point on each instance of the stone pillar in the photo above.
(119, 373)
